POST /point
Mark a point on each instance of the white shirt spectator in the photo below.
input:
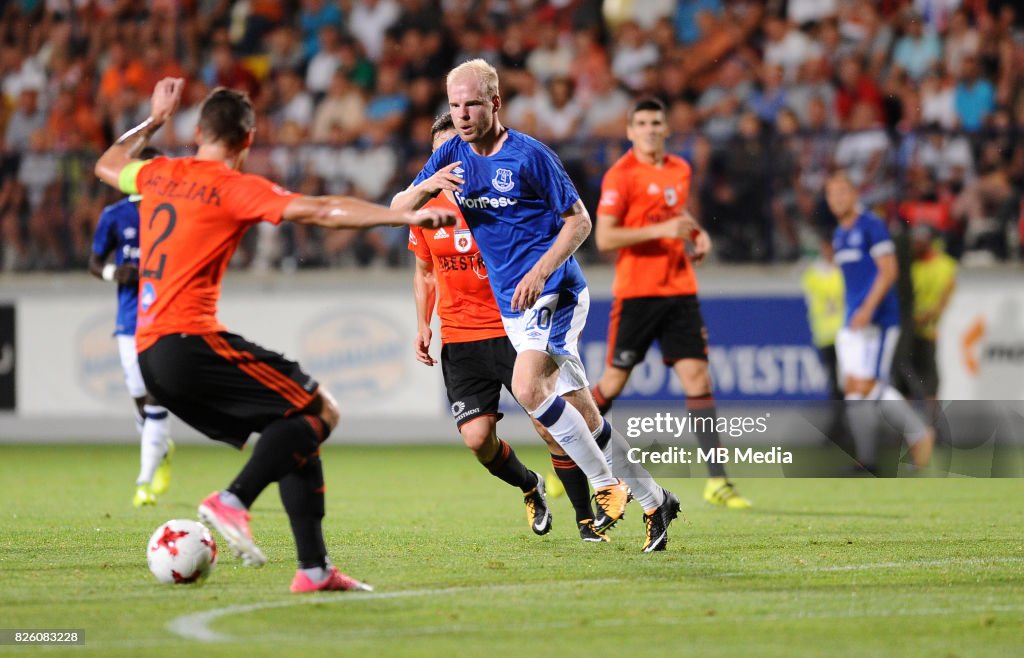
(320, 71)
(30, 75)
(368, 22)
(370, 169)
(298, 110)
(856, 151)
(937, 105)
(560, 123)
(628, 63)
(945, 156)
(791, 52)
(552, 58)
(958, 48)
(609, 107)
(807, 11)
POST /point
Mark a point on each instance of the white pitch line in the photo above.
(196, 626)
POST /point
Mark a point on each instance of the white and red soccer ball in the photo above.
(181, 551)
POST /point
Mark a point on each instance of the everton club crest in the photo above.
(502, 180)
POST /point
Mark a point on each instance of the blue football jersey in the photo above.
(118, 231)
(855, 251)
(513, 202)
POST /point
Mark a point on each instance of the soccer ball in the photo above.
(181, 551)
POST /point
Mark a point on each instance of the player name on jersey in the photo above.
(190, 190)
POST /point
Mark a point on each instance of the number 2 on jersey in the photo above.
(172, 217)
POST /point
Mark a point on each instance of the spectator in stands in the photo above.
(369, 20)
(721, 102)
(862, 152)
(769, 96)
(294, 104)
(157, 63)
(552, 57)
(959, 67)
(120, 71)
(27, 118)
(324, 62)
(344, 110)
(631, 55)
(388, 105)
(918, 50)
(224, 70)
(609, 105)
(937, 102)
(974, 97)
(787, 46)
(562, 113)
(314, 17)
(473, 44)
(687, 18)
(962, 41)
(854, 87)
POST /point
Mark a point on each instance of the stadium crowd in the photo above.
(922, 101)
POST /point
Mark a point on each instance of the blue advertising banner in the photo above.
(760, 349)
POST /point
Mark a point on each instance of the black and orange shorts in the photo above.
(675, 322)
(223, 385)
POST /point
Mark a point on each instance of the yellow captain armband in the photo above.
(126, 179)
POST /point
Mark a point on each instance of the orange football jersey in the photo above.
(465, 304)
(193, 214)
(639, 194)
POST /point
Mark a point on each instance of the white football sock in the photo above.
(567, 426)
(646, 491)
(155, 430)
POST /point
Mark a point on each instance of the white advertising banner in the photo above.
(981, 347)
(358, 347)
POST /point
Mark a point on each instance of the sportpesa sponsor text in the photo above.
(481, 202)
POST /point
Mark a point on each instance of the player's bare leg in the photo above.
(609, 387)
(481, 436)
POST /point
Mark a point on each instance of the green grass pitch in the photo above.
(926, 567)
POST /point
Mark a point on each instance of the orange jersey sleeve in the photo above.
(417, 244)
(465, 303)
(193, 214)
(637, 194)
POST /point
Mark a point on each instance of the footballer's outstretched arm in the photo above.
(163, 103)
(350, 212)
(414, 196)
(575, 230)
